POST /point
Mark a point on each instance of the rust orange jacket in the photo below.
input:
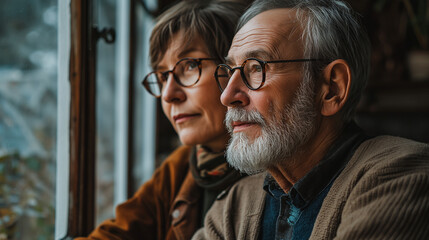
(168, 206)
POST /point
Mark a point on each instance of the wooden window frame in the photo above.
(81, 156)
(82, 160)
(82, 120)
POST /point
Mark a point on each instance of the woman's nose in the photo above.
(172, 91)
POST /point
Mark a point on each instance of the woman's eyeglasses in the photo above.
(186, 73)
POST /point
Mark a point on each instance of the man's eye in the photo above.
(256, 68)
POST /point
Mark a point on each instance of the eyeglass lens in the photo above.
(186, 73)
(152, 85)
(251, 72)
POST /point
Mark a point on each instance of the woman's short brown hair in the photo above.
(213, 21)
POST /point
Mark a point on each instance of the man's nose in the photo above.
(235, 92)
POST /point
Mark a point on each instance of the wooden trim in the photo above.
(82, 120)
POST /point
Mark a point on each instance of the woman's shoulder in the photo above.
(179, 157)
(169, 176)
(176, 165)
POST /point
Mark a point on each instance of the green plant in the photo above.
(26, 197)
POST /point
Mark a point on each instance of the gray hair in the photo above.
(331, 30)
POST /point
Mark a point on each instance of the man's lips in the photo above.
(238, 126)
(179, 118)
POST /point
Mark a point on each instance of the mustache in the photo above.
(242, 115)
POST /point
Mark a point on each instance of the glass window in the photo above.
(154, 138)
(144, 104)
(105, 17)
(28, 118)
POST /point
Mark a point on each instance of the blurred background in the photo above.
(130, 135)
(28, 118)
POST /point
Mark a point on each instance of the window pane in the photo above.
(154, 137)
(144, 103)
(105, 100)
(28, 116)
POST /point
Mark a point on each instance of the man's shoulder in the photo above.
(384, 159)
(388, 142)
(386, 179)
(250, 182)
(246, 188)
(390, 149)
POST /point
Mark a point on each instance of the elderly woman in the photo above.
(186, 44)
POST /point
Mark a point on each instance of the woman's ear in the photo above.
(335, 87)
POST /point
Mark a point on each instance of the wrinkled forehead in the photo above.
(275, 33)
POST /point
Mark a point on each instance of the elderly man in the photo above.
(292, 79)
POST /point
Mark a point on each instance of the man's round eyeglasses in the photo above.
(252, 72)
(186, 73)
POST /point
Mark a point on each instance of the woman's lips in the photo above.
(180, 118)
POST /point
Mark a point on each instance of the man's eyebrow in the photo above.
(258, 53)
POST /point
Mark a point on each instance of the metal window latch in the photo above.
(108, 34)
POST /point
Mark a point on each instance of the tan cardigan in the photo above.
(383, 193)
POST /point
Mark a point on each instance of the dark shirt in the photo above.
(292, 215)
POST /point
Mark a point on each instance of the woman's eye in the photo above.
(191, 65)
(164, 77)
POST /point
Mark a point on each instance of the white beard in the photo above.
(280, 137)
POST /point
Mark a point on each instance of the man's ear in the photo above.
(335, 87)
